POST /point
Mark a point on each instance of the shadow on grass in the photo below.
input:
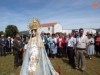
(97, 56)
(65, 60)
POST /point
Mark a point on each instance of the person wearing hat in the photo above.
(8, 45)
(90, 49)
(2, 45)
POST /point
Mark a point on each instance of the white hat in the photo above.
(9, 37)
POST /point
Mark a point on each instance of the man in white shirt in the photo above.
(81, 47)
(70, 49)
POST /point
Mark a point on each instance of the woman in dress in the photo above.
(90, 50)
(53, 46)
(65, 43)
(60, 45)
(36, 61)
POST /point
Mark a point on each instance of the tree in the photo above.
(11, 30)
(1, 32)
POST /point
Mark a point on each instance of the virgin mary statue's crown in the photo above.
(34, 24)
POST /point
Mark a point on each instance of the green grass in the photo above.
(92, 66)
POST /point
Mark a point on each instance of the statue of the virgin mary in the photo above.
(36, 61)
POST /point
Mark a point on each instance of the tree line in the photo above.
(10, 30)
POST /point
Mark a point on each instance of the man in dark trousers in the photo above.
(2, 45)
(70, 49)
(18, 51)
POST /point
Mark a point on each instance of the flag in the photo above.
(95, 5)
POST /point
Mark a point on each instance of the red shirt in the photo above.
(65, 40)
(60, 42)
(98, 41)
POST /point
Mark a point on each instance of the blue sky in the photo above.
(69, 13)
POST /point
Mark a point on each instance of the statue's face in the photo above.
(34, 33)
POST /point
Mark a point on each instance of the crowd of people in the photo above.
(5, 45)
(75, 46)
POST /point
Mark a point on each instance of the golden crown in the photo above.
(34, 24)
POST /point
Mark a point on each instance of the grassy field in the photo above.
(92, 68)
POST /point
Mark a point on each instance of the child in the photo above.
(25, 46)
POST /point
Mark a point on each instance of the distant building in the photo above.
(57, 27)
(51, 28)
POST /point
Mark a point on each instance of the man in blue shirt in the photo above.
(44, 39)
